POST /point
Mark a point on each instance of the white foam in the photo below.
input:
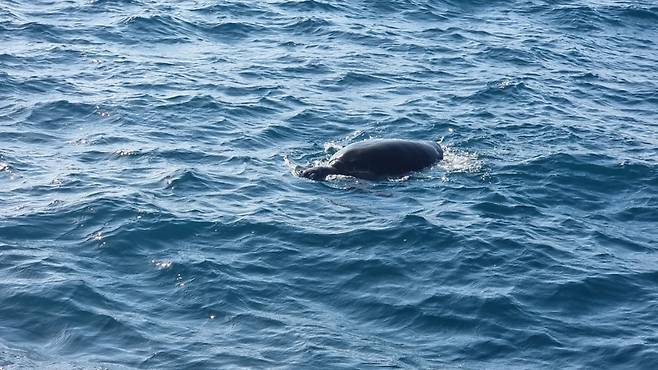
(291, 166)
(332, 147)
(459, 161)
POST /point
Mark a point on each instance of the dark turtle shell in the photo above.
(385, 157)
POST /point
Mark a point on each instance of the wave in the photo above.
(233, 30)
(593, 172)
(585, 18)
(57, 114)
(156, 28)
(306, 26)
(170, 29)
(236, 9)
(313, 5)
(639, 13)
(509, 55)
(46, 32)
(503, 90)
(187, 181)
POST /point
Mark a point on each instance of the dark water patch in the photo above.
(102, 139)
(51, 55)
(426, 13)
(579, 19)
(637, 213)
(639, 12)
(616, 93)
(631, 355)
(64, 302)
(509, 55)
(115, 2)
(356, 37)
(504, 90)
(277, 105)
(592, 294)
(155, 29)
(311, 121)
(32, 137)
(233, 31)
(406, 48)
(313, 6)
(495, 210)
(249, 112)
(11, 59)
(236, 8)
(279, 133)
(103, 6)
(619, 241)
(640, 16)
(181, 357)
(561, 183)
(250, 90)
(587, 76)
(43, 32)
(97, 7)
(399, 123)
(387, 6)
(8, 83)
(7, 16)
(36, 85)
(73, 221)
(187, 103)
(61, 113)
(306, 26)
(188, 180)
(608, 172)
(354, 79)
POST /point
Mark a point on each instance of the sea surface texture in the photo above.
(151, 216)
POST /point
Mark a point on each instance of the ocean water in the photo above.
(150, 216)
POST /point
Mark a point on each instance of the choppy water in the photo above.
(149, 217)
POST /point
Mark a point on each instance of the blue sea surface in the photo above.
(150, 215)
